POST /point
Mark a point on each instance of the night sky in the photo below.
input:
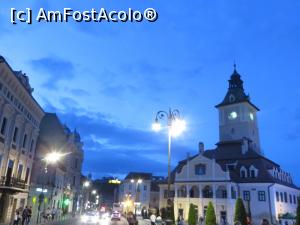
(108, 80)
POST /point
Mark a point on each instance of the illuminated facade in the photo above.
(61, 185)
(20, 117)
(237, 167)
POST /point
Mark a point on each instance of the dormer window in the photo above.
(243, 172)
(200, 169)
(253, 171)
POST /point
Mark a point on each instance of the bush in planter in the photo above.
(240, 212)
(210, 218)
(192, 215)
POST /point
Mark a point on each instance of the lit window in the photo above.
(251, 116)
(232, 115)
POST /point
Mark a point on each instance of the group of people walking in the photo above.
(23, 216)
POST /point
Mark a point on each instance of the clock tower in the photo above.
(238, 115)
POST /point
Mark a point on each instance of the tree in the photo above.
(192, 215)
(298, 213)
(210, 217)
(240, 212)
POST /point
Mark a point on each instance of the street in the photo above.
(77, 221)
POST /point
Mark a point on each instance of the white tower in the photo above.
(237, 115)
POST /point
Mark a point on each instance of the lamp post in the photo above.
(175, 126)
(50, 158)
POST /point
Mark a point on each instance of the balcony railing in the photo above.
(13, 183)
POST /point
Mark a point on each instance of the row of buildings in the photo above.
(237, 167)
(27, 134)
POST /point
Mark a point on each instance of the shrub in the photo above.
(210, 218)
(192, 215)
(240, 212)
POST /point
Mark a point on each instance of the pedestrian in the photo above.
(158, 220)
(48, 214)
(25, 215)
(153, 219)
(53, 213)
(265, 222)
(131, 219)
(16, 217)
(29, 214)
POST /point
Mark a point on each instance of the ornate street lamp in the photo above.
(175, 125)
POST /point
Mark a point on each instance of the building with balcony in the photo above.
(237, 167)
(61, 186)
(20, 117)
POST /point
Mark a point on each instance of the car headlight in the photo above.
(84, 218)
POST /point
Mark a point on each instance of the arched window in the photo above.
(221, 192)
(253, 171)
(207, 192)
(194, 192)
(181, 193)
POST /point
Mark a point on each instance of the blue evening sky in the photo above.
(108, 80)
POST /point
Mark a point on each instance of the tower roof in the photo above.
(235, 93)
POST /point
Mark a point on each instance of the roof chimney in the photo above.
(201, 148)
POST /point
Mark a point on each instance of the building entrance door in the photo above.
(223, 217)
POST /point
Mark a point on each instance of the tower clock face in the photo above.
(232, 115)
(251, 116)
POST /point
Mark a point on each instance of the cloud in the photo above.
(57, 69)
(114, 149)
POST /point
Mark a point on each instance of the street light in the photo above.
(94, 192)
(50, 158)
(86, 184)
(175, 126)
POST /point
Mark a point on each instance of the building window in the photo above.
(24, 140)
(3, 125)
(277, 196)
(285, 197)
(130, 187)
(295, 202)
(233, 193)
(291, 199)
(281, 197)
(261, 196)
(200, 169)
(76, 163)
(31, 145)
(15, 134)
(243, 172)
(74, 181)
(145, 187)
(246, 195)
(20, 170)
(27, 175)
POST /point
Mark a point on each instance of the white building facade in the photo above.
(237, 167)
(20, 117)
(139, 191)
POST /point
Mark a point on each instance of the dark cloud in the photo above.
(57, 69)
(113, 149)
